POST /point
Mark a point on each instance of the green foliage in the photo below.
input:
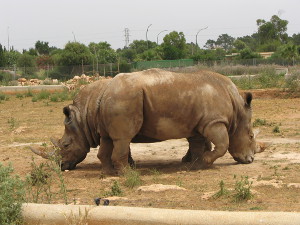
(276, 129)
(11, 196)
(60, 96)
(5, 78)
(259, 122)
(75, 53)
(42, 47)
(239, 44)
(222, 192)
(3, 97)
(115, 190)
(247, 53)
(225, 41)
(275, 29)
(243, 189)
(103, 53)
(132, 178)
(12, 123)
(42, 179)
(174, 46)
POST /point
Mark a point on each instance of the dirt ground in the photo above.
(274, 173)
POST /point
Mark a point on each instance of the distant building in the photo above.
(266, 55)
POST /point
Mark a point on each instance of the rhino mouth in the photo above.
(68, 166)
(246, 160)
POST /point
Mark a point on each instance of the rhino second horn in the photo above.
(261, 146)
(38, 152)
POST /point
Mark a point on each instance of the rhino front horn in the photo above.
(54, 142)
(40, 153)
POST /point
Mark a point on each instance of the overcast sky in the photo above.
(58, 21)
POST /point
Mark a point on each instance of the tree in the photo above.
(247, 53)
(27, 62)
(42, 47)
(141, 46)
(239, 45)
(2, 57)
(174, 46)
(225, 41)
(103, 52)
(296, 39)
(210, 44)
(75, 53)
(289, 51)
(275, 29)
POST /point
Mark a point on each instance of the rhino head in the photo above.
(242, 143)
(73, 146)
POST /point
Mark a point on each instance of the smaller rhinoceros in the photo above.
(156, 105)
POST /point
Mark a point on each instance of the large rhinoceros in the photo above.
(156, 105)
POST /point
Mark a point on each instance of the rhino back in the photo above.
(177, 105)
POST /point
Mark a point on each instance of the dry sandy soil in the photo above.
(274, 173)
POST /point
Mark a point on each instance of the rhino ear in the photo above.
(67, 112)
(248, 99)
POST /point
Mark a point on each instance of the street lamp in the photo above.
(197, 36)
(159, 34)
(147, 35)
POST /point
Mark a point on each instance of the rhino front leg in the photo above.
(197, 146)
(104, 155)
(218, 135)
(120, 155)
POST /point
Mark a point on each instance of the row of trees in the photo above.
(270, 36)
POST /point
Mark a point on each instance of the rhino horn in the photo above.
(256, 132)
(40, 153)
(261, 146)
(54, 142)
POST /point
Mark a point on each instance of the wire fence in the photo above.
(112, 69)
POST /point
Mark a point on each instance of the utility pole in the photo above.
(197, 36)
(147, 35)
(159, 34)
(126, 37)
(74, 36)
(8, 39)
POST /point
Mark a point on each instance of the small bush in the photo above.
(115, 190)
(243, 189)
(20, 96)
(3, 97)
(276, 129)
(259, 122)
(223, 191)
(132, 178)
(29, 93)
(11, 196)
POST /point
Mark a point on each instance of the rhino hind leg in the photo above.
(130, 160)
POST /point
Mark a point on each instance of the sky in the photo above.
(23, 22)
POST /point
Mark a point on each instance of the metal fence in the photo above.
(111, 69)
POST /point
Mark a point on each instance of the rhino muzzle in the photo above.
(246, 160)
(68, 166)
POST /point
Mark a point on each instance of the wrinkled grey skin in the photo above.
(155, 105)
(80, 134)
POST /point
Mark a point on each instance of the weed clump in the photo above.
(243, 189)
(11, 196)
(132, 178)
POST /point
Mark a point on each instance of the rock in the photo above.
(159, 188)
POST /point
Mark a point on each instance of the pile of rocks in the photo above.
(81, 81)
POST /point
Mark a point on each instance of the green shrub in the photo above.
(3, 97)
(132, 178)
(223, 191)
(28, 93)
(259, 122)
(243, 189)
(115, 190)
(19, 95)
(276, 129)
(11, 196)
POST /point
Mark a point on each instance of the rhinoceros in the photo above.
(157, 105)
